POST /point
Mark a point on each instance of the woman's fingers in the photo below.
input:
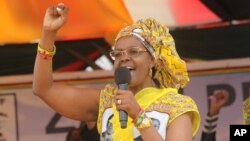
(55, 17)
(62, 9)
(122, 97)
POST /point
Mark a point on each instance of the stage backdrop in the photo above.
(25, 117)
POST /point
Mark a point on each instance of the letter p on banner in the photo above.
(239, 132)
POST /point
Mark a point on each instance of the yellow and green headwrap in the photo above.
(170, 68)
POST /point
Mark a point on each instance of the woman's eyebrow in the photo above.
(117, 48)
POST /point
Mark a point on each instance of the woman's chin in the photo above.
(133, 76)
(132, 82)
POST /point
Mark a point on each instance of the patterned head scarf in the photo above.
(170, 69)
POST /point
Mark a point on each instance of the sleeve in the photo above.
(89, 134)
(184, 104)
(246, 111)
(208, 136)
(104, 101)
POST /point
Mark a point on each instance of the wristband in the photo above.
(210, 123)
(145, 123)
(138, 115)
(45, 52)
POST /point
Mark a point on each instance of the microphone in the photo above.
(122, 78)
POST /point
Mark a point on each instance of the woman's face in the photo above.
(138, 65)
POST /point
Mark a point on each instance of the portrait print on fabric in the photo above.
(107, 129)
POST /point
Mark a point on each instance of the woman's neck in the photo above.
(136, 89)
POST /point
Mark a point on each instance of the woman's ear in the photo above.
(151, 62)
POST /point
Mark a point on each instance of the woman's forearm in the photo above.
(43, 67)
(150, 134)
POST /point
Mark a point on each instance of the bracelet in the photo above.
(145, 123)
(138, 115)
(140, 119)
(45, 52)
(210, 123)
(214, 117)
(45, 57)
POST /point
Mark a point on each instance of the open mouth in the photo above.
(130, 68)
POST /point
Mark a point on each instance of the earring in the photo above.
(150, 72)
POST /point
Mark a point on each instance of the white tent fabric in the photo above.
(174, 13)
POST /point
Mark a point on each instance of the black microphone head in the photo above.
(122, 75)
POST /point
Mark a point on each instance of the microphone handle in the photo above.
(123, 86)
(123, 114)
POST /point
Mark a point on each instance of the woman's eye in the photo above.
(117, 54)
(133, 51)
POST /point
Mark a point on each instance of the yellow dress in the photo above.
(246, 111)
(161, 105)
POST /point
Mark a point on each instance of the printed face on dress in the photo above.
(155, 123)
(138, 64)
(109, 128)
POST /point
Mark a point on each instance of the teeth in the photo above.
(130, 68)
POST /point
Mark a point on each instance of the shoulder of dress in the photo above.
(108, 89)
(173, 97)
